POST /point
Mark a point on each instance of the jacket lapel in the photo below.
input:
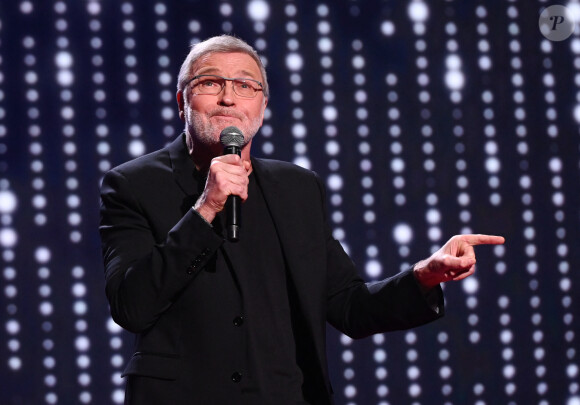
(184, 172)
(298, 260)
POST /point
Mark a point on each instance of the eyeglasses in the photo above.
(213, 84)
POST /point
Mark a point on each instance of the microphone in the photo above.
(232, 139)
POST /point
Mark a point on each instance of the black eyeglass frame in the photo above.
(226, 79)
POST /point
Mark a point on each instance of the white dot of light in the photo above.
(470, 285)
(136, 148)
(15, 363)
(302, 161)
(8, 237)
(403, 234)
(335, 182)
(492, 165)
(397, 165)
(506, 336)
(433, 216)
(12, 327)
(294, 61)
(373, 268)
(455, 80)
(332, 148)
(350, 391)
(79, 290)
(509, 371)
(388, 28)
(556, 165)
(347, 356)
(80, 307)
(413, 372)
(82, 343)
(330, 113)
(414, 390)
(299, 130)
(42, 254)
(258, 10)
(65, 78)
(325, 45)
(381, 373)
(63, 60)
(118, 396)
(418, 11)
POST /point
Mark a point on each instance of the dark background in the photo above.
(411, 156)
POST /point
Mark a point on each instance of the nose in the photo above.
(226, 96)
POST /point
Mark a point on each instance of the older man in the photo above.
(219, 322)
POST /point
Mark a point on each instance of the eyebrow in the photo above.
(214, 70)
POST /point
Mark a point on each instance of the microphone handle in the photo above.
(233, 206)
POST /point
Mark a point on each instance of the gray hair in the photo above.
(220, 44)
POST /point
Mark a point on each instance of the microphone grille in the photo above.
(232, 136)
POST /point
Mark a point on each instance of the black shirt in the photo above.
(271, 374)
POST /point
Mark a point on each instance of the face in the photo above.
(207, 115)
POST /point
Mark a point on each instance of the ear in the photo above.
(264, 110)
(180, 105)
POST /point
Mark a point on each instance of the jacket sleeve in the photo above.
(360, 309)
(144, 275)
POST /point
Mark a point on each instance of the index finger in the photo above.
(479, 239)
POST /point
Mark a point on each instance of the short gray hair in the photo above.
(220, 44)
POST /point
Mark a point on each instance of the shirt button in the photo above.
(238, 320)
(237, 377)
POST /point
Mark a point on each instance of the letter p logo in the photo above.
(556, 23)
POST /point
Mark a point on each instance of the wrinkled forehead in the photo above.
(230, 64)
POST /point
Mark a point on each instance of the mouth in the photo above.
(226, 115)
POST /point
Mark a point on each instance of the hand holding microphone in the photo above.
(232, 139)
(227, 183)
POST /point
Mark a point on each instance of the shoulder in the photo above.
(281, 168)
(161, 161)
(293, 178)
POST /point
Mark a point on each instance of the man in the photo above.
(218, 322)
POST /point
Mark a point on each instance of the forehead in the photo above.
(232, 64)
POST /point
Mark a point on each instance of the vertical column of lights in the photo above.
(558, 199)
(373, 267)
(84, 379)
(260, 14)
(573, 368)
(136, 146)
(294, 63)
(165, 78)
(103, 148)
(42, 254)
(454, 81)
(8, 235)
(487, 97)
(332, 150)
(556, 166)
(379, 353)
(259, 11)
(65, 78)
(506, 334)
(418, 13)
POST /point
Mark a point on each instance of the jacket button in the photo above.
(237, 377)
(238, 320)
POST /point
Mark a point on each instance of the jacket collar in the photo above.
(184, 171)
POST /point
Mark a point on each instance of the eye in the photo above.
(208, 83)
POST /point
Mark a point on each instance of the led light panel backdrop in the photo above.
(424, 118)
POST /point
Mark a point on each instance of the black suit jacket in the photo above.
(155, 249)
